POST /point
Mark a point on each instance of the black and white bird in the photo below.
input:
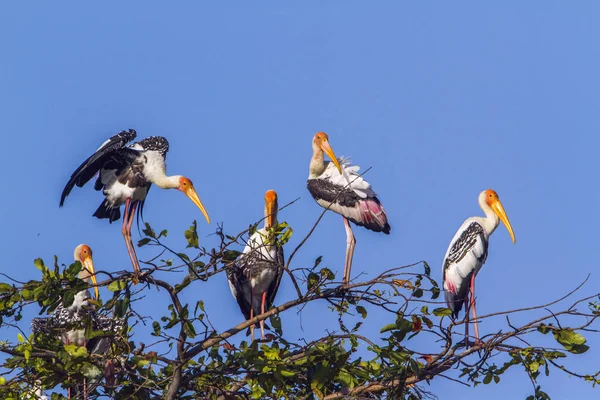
(338, 186)
(68, 321)
(467, 253)
(255, 276)
(125, 174)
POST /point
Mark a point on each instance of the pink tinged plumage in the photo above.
(372, 212)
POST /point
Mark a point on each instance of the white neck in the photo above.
(317, 163)
(163, 181)
(491, 221)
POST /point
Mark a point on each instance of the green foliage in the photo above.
(187, 358)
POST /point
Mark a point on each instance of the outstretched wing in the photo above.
(465, 257)
(96, 161)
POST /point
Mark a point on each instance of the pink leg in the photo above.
(84, 380)
(262, 311)
(350, 243)
(252, 313)
(68, 378)
(472, 306)
(126, 230)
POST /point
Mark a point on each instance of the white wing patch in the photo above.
(351, 174)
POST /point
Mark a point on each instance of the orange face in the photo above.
(186, 186)
(320, 137)
(321, 140)
(84, 255)
(491, 197)
(270, 196)
(85, 252)
(493, 201)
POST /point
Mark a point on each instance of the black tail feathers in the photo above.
(107, 211)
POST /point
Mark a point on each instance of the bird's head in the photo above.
(271, 207)
(187, 187)
(83, 254)
(321, 142)
(493, 201)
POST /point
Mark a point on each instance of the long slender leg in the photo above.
(466, 320)
(84, 380)
(68, 377)
(350, 242)
(473, 307)
(252, 312)
(262, 311)
(126, 230)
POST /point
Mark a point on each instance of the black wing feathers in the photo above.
(96, 161)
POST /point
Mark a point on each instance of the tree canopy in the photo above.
(189, 358)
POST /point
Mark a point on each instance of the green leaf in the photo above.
(76, 351)
(148, 231)
(39, 264)
(487, 379)
(90, 371)
(74, 268)
(362, 311)
(275, 321)
(117, 286)
(287, 374)
(312, 281)
(442, 312)
(156, 328)
(387, 328)
(121, 307)
(192, 235)
(568, 336)
(427, 268)
(143, 242)
(5, 287)
(543, 329)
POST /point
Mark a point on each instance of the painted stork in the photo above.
(467, 253)
(64, 318)
(125, 173)
(254, 278)
(338, 186)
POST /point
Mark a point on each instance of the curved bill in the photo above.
(88, 264)
(191, 193)
(326, 147)
(498, 208)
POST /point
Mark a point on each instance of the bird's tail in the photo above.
(107, 211)
(454, 302)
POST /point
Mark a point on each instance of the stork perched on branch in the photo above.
(338, 186)
(255, 276)
(68, 321)
(125, 174)
(467, 253)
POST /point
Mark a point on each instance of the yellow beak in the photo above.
(327, 149)
(191, 193)
(88, 264)
(271, 210)
(498, 208)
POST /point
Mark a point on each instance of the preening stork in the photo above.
(338, 186)
(68, 321)
(125, 174)
(467, 253)
(255, 276)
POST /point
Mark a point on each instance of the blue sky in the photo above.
(442, 101)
